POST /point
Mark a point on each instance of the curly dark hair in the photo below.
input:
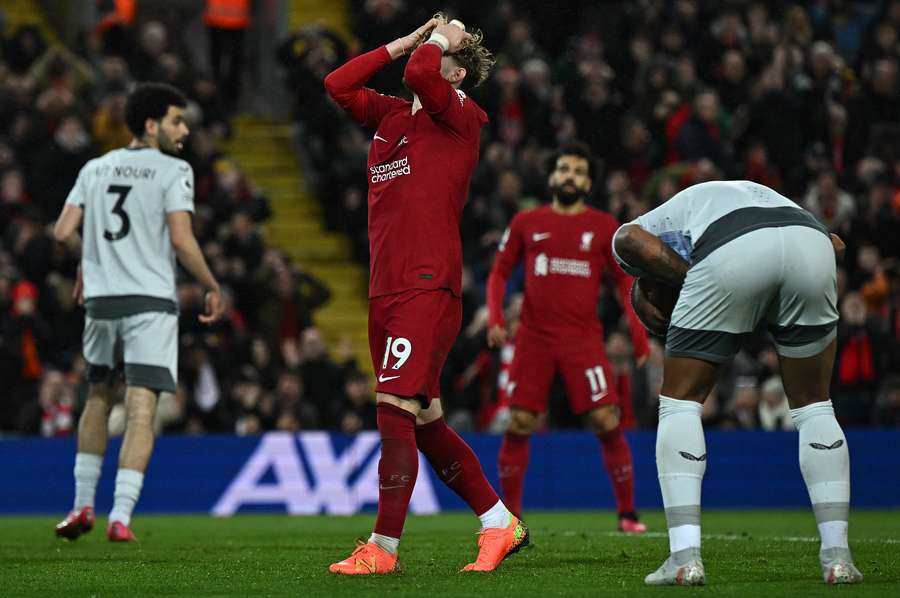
(573, 148)
(150, 100)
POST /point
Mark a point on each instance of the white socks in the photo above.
(87, 474)
(128, 489)
(681, 463)
(825, 463)
(496, 516)
(386, 543)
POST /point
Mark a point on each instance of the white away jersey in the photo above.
(126, 195)
(681, 221)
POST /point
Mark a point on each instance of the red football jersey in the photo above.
(419, 169)
(564, 256)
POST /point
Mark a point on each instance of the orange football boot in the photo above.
(367, 559)
(495, 544)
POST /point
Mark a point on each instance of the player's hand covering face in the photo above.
(172, 131)
(570, 181)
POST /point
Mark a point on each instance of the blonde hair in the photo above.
(472, 55)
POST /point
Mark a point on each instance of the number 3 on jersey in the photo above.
(122, 191)
(399, 348)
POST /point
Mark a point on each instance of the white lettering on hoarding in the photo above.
(328, 488)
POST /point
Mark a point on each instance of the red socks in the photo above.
(513, 461)
(397, 468)
(617, 459)
(456, 464)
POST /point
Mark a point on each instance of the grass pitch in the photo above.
(747, 553)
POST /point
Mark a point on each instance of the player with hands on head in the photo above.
(419, 167)
(135, 204)
(565, 247)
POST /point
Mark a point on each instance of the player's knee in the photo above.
(140, 407)
(604, 419)
(521, 421)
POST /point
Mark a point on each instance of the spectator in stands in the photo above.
(26, 343)
(356, 410)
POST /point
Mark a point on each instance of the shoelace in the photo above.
(485, 536)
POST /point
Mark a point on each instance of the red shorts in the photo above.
(583, 366)
(410, 336)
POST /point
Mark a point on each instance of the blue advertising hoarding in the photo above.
(318, 472)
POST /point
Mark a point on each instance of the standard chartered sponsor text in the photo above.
(390, 170)
(560, 265)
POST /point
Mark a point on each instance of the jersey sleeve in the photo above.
(77, 194)
(346, 86)
(623, 282)
(178, 195)
(441, 100)
(509, 254)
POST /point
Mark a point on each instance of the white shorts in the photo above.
(147, 343)
(783, 274)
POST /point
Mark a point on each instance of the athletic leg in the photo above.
(681, 463)
(458, 467)
(617, 460)
(513, 458)
(137, 446)
(824, 459)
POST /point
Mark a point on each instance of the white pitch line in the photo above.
(737, 538)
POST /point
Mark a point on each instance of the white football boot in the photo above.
(682, 568)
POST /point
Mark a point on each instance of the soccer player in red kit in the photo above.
(566, 248)
(420, 161)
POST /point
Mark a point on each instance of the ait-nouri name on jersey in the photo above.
(126, 195)
(564, 256)
(418, 170)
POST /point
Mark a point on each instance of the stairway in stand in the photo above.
(264, 149)
(27, 12)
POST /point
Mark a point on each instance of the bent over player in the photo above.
(420, 162)
(740, 254)
(566, 249)
(136, 203)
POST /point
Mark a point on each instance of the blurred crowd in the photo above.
(803, 97)
(266, 366)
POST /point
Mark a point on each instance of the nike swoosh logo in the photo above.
(379, 138)
(383, 378)
(540, 236)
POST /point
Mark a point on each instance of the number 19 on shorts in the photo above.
(399, 348)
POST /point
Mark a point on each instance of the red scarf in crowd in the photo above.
(856, 365)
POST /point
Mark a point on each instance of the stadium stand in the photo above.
(804, 98)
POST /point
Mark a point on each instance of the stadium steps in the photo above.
(264, 149)
(330, 13)
(28, 12)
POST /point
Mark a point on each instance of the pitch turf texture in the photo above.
(747, 553)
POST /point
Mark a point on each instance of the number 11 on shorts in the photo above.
(400, 348)
(597, 380)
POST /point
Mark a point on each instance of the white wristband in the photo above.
(440, 40)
